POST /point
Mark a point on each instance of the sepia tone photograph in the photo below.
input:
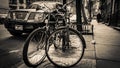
(59, 34)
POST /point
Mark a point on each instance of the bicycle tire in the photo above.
(34, 38)
(55, 58)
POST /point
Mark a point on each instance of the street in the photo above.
(104, 54)
(10, 48)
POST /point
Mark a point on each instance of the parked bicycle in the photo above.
(34, 47)
(63, 46)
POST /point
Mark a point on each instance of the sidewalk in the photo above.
(104, 54)
(117, 28)
(107, 46)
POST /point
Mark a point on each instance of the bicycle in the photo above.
(34, 46)
(64, 51)
(57, 44)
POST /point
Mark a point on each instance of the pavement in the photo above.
(103, 54)
(107, 46)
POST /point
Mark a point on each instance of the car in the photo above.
(26, 20)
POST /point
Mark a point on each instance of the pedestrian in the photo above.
(99, 17)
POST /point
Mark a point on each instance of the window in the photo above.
(13, 7)
(21, 7)
(21, 1)
(13, 2)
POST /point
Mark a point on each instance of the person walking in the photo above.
(99, 17)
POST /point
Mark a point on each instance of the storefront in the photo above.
(110, 11)
(117, 13)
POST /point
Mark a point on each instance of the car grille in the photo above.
(18, 15)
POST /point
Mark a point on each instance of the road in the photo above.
(10, 48)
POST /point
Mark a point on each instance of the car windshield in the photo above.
(50, 5)
(34, 6)
(43, 5)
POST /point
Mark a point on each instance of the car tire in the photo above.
(15, 33)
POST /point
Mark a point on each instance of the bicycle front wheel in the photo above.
(34, 48)
(65, 48)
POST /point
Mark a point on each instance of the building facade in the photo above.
(17, 4)
(110, 11)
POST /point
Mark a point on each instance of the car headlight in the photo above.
(39, 19)
(36, 17)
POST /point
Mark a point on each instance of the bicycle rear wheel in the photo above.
(65, 55)
(34, 48)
